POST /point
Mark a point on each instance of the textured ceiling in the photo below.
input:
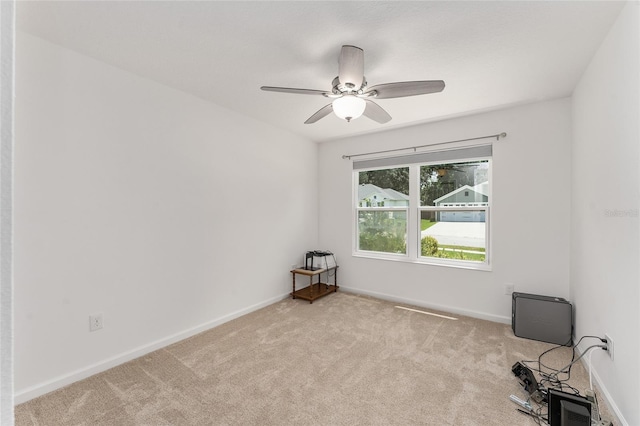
(491, 54)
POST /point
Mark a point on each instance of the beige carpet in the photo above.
(343, 360)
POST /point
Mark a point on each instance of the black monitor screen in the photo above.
(556, 399)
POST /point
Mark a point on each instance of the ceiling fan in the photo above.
(351, 95)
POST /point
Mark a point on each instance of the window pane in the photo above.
(384, 188)
(454, 234)
(455, 184)
(382, 231)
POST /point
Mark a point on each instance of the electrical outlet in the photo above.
(610, 345)
(95, 322)
(508, 289)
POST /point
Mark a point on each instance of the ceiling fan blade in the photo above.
(322, 112)
(292, 90)
(376, 112)
(406, 88)
(351, 67)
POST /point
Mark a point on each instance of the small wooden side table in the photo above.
(314, 290)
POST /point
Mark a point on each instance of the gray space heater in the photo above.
(543, 318)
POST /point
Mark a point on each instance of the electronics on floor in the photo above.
(544, 318)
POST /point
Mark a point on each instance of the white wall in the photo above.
(530, 244)
(606, 193)
(7, 86)
(145, 204)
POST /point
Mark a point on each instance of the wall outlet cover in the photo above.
(610, 345)
(95, 322)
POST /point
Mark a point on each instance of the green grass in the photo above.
(478, 257)
(462, 248)
(426, 224)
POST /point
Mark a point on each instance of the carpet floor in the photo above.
(343, 360)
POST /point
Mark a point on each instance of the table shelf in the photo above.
(314, 290)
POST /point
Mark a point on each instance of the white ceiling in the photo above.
(491, 54)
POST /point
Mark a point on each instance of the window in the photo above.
(430, 207)
(453, 222)
(383, 204)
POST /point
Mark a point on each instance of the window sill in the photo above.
(459, 264)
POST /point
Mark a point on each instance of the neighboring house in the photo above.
(373, 196)
(465, 196)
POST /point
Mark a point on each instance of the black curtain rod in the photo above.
(414, 148)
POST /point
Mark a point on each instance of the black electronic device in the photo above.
(319, 259)
(308, 261)
(566, 409)
(574, 414)
(528, 381)
(545, 318)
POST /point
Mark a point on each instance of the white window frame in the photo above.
(413, 212)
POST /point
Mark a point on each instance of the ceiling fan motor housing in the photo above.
(339, 88)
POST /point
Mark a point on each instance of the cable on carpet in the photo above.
(550, 379)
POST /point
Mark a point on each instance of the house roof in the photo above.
(223, 51)
(481, 188)
(367, 190)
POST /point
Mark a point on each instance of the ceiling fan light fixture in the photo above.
(349, 107)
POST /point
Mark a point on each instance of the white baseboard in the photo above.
(422, 304)
(61, 381)
(619, 420)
